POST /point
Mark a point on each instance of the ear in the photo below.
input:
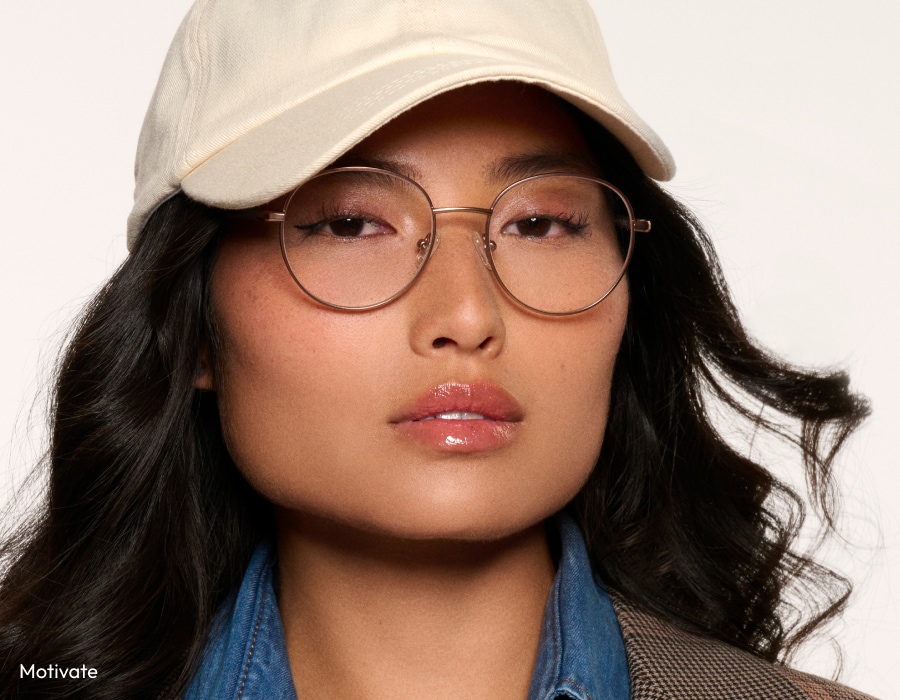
(203, 377)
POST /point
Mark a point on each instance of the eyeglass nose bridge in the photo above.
(478, 239)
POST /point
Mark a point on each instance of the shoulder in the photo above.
(667, 663)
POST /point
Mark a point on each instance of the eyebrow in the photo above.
(517, 167)
(389, 164)
(501, 171)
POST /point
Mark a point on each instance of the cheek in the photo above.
(270, 372)
(577, 379)
(282, 386)
(300, 387)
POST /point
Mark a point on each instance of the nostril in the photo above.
(439, 343)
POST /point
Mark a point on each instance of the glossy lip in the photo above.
(502, 416)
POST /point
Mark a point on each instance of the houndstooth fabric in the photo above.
(666, 663)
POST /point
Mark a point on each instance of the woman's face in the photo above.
(451, 412)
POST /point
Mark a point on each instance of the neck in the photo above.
(368, 616)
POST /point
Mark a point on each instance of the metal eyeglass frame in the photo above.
(429, 244)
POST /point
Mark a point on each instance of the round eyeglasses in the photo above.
(356, 238)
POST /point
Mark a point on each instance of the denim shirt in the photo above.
(580, 655)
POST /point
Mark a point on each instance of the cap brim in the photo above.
(278, 155)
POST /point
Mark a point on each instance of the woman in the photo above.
(434, 435)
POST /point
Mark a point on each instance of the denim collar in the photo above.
(581, 654)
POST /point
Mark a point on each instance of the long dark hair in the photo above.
(674, 516)
(149, 525)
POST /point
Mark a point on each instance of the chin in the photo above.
(457, 504)
(461, 521)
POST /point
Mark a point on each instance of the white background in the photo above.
(784, 118)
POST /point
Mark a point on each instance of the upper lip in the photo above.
(488, 399)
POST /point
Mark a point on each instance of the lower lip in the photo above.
(462, 436)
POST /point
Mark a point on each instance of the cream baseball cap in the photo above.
(256, 97)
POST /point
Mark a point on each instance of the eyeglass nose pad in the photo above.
(480, 241)
(422, 247)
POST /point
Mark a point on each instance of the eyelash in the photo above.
(575, 224)
(335, 214)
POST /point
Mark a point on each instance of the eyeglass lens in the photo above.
(356, 238)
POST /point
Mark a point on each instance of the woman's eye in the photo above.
(543, 227)
(346, 227)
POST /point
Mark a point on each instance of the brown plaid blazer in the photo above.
(667, 663)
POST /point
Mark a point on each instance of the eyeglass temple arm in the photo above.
(265, 215)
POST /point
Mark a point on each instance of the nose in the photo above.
(456, 303)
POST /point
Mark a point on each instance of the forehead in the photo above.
(494, 125)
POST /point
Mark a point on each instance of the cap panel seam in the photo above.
(196, 84)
